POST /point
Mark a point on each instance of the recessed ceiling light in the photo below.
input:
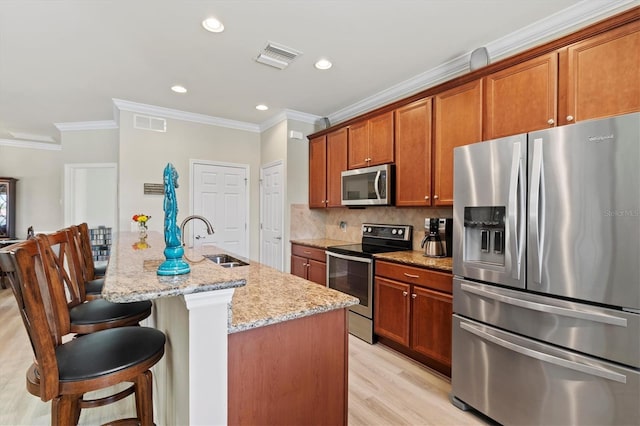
(262, 107)
(323, 64)
(179, 89)
(213, 25)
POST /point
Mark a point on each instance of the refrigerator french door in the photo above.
(547, 275)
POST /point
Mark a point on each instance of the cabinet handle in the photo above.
(413, 295)
(435, 197)
(411, 275)
(426, 197)
(404, 293)
(569, 117)
(550, 121)
(306, 252)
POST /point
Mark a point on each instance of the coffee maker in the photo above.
(438, 236)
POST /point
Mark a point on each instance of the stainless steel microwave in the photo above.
(368, 186)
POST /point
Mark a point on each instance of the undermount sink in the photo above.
(225, 260)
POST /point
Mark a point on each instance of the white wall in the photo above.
(39, 190)
(144, 154)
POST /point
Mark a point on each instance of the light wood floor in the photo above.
(385, 388)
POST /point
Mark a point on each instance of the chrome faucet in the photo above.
(208, 224)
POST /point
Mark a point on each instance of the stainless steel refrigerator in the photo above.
(546, 263)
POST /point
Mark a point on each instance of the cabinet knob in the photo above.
(404, 293)
(550, 121)
(426, 197)
(413, 295)
(435, 197)
(569, 117)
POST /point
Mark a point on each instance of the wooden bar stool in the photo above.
(64, 372)
(87, 316)
(93, 277)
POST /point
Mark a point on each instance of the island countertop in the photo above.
(263, 295)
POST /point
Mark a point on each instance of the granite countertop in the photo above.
(262, 295)
(417, 258)
(321, 243)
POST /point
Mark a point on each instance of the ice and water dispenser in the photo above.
(484, 234)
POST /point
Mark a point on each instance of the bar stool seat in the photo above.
(100, 313)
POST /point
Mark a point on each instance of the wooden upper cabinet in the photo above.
(381, 139)
(358, 146)
(600, 76)
(371, 141)
(413, 154)
(457, 122)
(521, 98)
(336, 163)
(318, 172)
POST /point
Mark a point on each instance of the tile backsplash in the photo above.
(325, 223)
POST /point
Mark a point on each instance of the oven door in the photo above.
(352, 275)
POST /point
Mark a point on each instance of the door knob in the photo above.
(277, 238)
(199, 237)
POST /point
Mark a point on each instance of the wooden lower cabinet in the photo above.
(290, 373)
(309, 263)
(412, 310)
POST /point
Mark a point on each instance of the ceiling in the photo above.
(64, 61)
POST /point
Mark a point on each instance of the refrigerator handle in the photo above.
(376, 184)
(516, 208)
(541, 356)
(536, 213)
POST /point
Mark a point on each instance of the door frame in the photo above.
(282, 217)
(69, 193)
(247, 169)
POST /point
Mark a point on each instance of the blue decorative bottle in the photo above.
(173, 252)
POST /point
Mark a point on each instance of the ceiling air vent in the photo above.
(277, 55)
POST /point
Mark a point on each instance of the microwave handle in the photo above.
(376, 184)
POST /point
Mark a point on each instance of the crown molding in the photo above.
(30, 144)
(289, 114)
(75, 126)
(553, 26)
(32, 137)
(123, 105)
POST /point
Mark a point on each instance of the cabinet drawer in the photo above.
(309, 252)
(419, 276)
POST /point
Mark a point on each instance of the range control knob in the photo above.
(394, 232)
(400, 231)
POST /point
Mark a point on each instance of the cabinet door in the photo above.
(299, 266)
(381, 139)
(600, 75)
(358, 145)
(391, 310)
(336, 163)
(317, 272)
(413, 154)
(521, 98)
(431, 324)
(458, 121)
(318, 172)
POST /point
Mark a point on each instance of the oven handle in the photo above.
(347, 257)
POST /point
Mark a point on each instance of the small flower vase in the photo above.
(142, 231)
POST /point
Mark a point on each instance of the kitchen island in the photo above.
(247, 344)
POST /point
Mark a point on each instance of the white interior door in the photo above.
(220, 195)
(271, 215)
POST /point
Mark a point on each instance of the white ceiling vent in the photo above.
(277, 55)
(146, 122)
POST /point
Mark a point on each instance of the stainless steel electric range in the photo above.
(350, 269)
